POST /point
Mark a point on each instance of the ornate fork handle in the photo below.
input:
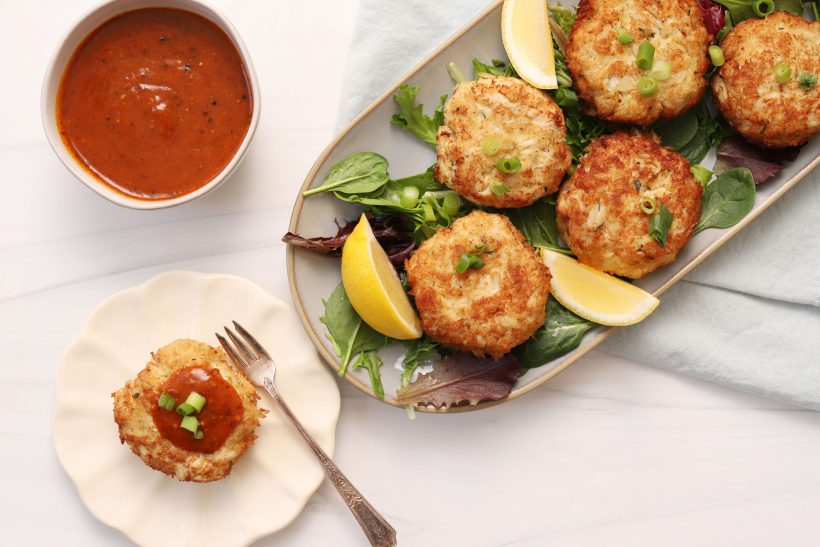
(375, 527)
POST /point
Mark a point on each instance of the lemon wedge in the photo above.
(525, 31)
(595, 295)
(374, 288)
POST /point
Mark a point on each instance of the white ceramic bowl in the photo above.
(86, 24)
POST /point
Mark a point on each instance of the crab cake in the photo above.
(488, 309)
(761, 109)
(599, 213)
(605, 71)
(492, 119)
(227, 421)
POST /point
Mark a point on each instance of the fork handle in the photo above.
(375, 527)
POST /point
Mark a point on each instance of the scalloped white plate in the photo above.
(268, 486)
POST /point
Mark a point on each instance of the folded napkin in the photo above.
(748, 317)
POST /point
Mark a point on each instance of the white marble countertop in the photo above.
(610, 452)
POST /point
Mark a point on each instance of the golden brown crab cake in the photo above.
(605, 72)
(491, 119)
(599, 213)
(761, 109)
(487, 310)
(228, 420)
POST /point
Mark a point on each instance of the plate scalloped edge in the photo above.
(269, 485)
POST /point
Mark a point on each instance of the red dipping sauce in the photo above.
(155, 102)
(222, 412)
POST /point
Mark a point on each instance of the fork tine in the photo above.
(257, 347)
(241, 347)
(237, 360)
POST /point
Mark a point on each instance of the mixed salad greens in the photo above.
(404, 212)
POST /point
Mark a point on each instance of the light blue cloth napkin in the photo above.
(748, 317)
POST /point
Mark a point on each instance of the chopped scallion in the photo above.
(701, 174)
(166, 401)
(807, 80)
(647, 86)
(623, 36)
(190, 423)
(499, 188)
(451, 204)
(490, 146)
(762, 8)
(716, 55)
(648, 205)
(782, 72)
(196, 400)
(198, 434)
(661, 70)
(185, 409)
(409, 196)
(429, 214)
(509, 165)
(646, 54)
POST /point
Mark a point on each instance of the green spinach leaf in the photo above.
(561, 333)
(659, 224)
(412, 118)
(537, 224)
(677, 132)
(362, 172)
(727, 199)
(693, 133)
(348, 333)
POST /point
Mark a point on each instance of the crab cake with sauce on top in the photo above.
(603, 51)
(479, 286)
(767, 89)
(225, 424)
(502, 143)
(599, 210)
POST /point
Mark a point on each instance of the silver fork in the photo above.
(251, 358)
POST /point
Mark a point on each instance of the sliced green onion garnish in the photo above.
(762, 8)
(392, 195)
(716, 55)
(661, 70)
(623, 36)
(451, 204)
(648, 205)
(455, 73)
(807, 80)
(166, 401)
(490, 146)
(499, 188)
(463, 263)
(185, 409)
(196, 400)
(190, 423)
(429, 214)
(647, 86)
(646, 53)
(409, 196)
(701, 174)
(566, 97)
(198, 434)
(508, 165)
(782, 72)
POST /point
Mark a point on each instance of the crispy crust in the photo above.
(605, 73)
(598, 209)
(487, 311)
(760, 109)
(133, 405)
(528, 125)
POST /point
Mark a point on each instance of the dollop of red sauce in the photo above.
(222, 412)
(155, 102)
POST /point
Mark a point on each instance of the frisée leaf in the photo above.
(411, 115)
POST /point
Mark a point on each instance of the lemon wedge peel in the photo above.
(527, 39)
(374, 288)
(594, 295)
